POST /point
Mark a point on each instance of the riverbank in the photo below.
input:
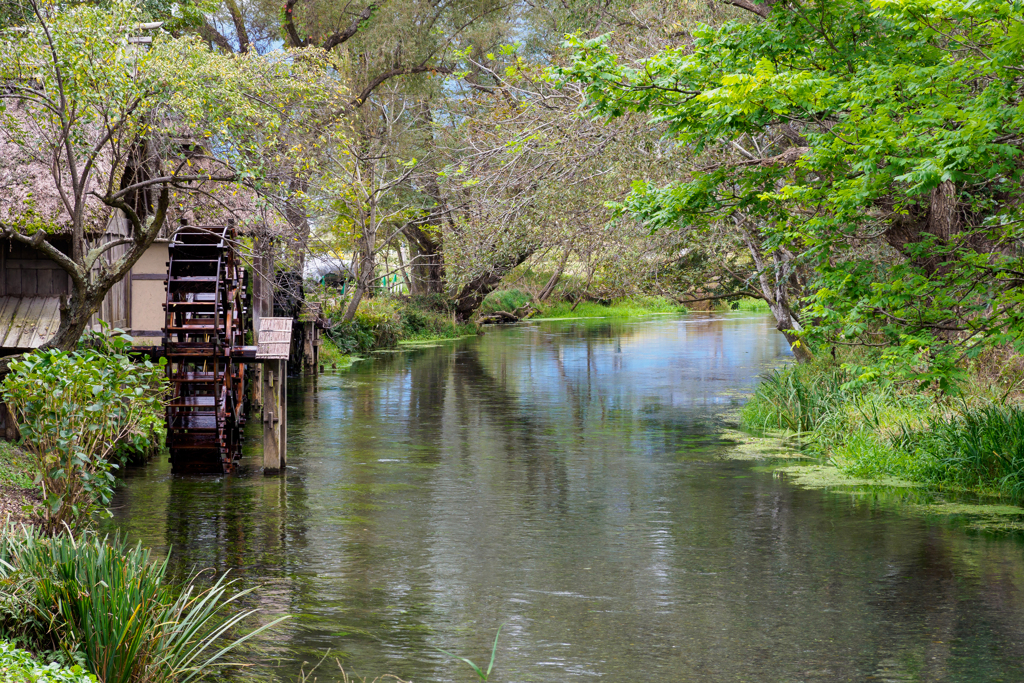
(385, 322)
(972, 442)
(512, 300)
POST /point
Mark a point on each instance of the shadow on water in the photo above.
(562, 479)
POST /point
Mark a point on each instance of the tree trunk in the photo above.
(427, 259)
(475, 291)
(775, 283)
(941, 218)
(364, 280)
(549, 288)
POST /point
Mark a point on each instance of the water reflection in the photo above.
(562, 480)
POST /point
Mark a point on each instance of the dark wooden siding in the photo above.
(25, 272)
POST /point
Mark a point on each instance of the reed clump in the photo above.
(971, 441)
(104, 605)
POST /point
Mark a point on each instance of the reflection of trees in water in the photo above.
(936, 606)
(488, 405)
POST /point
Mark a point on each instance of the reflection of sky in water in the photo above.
(562, 480)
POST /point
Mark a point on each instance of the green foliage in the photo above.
(980, 448)
(75, 410)
(15, 466)
(376, 324)
(748, 305)
(19, 666)
(103, 602)
(382, 322)
(891, 431)
(332, 357)
(797, 398)
(887, 153)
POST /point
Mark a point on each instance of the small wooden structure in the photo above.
(273, 348)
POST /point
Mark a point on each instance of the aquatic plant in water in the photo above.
(481, 674)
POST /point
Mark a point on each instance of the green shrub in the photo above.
(382, 322)
(18, 666)
(105, 603)
(376, 324)
(75, 410)
(507, 300)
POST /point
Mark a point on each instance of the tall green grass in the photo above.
(797, 398)
(889, 431)
(976, 449)
(104, 603)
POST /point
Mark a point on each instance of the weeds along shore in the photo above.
(968, 439)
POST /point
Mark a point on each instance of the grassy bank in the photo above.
(383, 322)
(514, 299)
(971, 442)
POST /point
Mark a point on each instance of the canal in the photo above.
(570, 482)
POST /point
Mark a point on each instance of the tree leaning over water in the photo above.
(868, 153)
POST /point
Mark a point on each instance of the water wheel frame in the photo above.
(206, 319)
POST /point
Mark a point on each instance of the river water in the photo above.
(568, 482)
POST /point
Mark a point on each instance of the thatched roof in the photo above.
(29, 194)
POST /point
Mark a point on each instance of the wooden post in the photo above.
(275, 421)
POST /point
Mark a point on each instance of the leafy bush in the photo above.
(382, 322)
(106, 604)
(75, 410)
(18, 666)
(376, 324)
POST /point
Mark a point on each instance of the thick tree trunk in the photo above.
(74, 318)
(940, 218)
(475, 291)
(427, 259)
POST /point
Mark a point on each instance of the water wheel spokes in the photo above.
(205, 322)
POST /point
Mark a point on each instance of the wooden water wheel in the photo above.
(204, 334)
